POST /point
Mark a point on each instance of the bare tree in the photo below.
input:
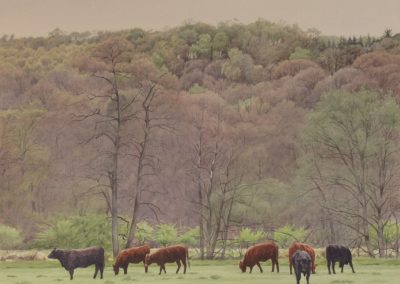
(150, 118)
(353, 152)
(214, 172)
(106, 65)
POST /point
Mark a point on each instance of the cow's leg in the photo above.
(101, 270)
(308, 277)
(178, 262)
(259, 266)
(126, 269)
(351, 265)
(333, 266)
(298, 277)
(329, 265)
(160, 269)
(290, 265)
(184, 265)
(251, 268)
(275, 264)
(341, 265)
(163, 266)
(313, 265)
(71, 274)
(96, 269)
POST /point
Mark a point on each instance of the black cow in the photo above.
(71, 259)
(301, 261)
(338, 253)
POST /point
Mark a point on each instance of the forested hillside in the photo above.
(259, 126)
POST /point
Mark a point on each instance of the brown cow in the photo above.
(176, 254)
(260, 252)
(304, 247)
(130, 255)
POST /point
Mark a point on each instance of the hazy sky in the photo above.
(331, 17)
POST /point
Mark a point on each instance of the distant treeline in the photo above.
(227, 127)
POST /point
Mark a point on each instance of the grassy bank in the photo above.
(227, 271)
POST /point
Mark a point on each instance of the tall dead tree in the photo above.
(111, 103)
(149, 119)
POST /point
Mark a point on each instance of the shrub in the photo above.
(166, 234)
(10, 238)
(144, 232)
(191, 237)
(76, 232)
(389, 234)
(247, 237)
(287, 234)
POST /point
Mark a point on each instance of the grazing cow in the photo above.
(71, 259)
(300, 246)
(302, 264)
(176, 254)
(338, 253)
(130, 255)
(260, 252)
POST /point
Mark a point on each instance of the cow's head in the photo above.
(146, 262)
(303, 260)
(116, 269)
(53, 254)
(242, 266)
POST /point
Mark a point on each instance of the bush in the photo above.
(166, 234)
(144, 232)
(247, 237)
(10, 238)
(287, 234)
(389, 234)
(191, 237)
(76, 232)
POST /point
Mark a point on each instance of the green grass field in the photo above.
(367, 271)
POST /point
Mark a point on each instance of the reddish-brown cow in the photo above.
(260, 252)
(304, 247)
(130, 255)
(176, 254)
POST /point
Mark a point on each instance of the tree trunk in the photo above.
(132, 228)
(114, 215)
(365, 230)
(381, 239)
(226, 229)
(224, 241)
(217, 228)
(141, 163)
(397, 239)
(201, 225)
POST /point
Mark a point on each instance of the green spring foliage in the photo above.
(10, 238)
(76, 232)
(287, 234)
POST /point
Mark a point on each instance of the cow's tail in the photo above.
(187, 256)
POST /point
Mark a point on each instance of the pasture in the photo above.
(218, 271)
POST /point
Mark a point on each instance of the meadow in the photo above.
(217, 271)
